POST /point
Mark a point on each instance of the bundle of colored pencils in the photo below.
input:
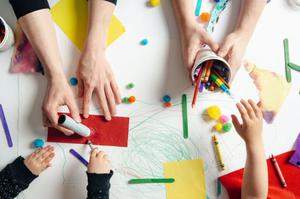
(210, 75)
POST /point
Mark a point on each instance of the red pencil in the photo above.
(197, 85)
(278, 171)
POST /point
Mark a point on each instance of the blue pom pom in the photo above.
(38, 143)
(73, 81)
(144, 42)
(167, 98)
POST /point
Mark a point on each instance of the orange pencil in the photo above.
(221, 78)
(197, 87)
(207, 74)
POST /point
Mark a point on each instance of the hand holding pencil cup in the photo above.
(210, 72)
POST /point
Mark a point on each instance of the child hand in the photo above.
(192, 40)
(39, 160)
(251, 129)
(233, 49)
(99, 163)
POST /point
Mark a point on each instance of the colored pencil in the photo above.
(197, 87)
(218, 151)
(5, 127)
(88, 142)
(221, 78)
(208, 71)
(79, 157)
(151, 180)
(185, 116)
(278, 171)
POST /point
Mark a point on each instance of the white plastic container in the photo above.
(9, 38)
(206, 54)
(71, 124)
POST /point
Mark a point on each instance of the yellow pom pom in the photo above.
(218, 127)
(154, 3)
(214, 112)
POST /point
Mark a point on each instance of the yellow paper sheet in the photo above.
(189, 179)
(72, 17)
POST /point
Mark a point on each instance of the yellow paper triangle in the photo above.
(72, 17)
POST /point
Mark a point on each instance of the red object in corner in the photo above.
(110, 133)
(233, 181)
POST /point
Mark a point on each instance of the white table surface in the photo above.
(155, 132)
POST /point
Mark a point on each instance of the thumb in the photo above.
(207, 39)
(224, 49)
(237, 125)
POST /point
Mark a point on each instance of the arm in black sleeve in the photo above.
(23, 7)
(14, 178)
(98, 185)
(112, 1)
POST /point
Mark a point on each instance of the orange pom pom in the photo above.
(168, 104)
(131, 99)
(205, 16)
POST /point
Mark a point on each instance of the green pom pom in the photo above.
(125, 100)
(227, 127)
(130, 86)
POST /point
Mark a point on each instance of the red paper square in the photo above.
(110, 133)
(233, 181)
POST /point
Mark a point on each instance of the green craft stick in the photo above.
(151, 180)
(185, 117)
(287, 60)
(294, 66)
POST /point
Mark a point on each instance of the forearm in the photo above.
(14, 178)
(255, 180)
(249, 14)
(39, 29)
(100, 13)
(184, 14)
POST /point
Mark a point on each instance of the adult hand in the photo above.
(192, 40)
(233, 49)
(58, 94)
(95, 75)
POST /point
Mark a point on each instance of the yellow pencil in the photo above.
(218, 151)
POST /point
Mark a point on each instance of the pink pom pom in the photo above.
(224, 119)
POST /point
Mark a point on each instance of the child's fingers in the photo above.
(94, 152)
(242, 111)
(46, 161)
(101, 154)
(237, 125)
(46, 154)
(249, 109)
(43, 151)
(256, 109)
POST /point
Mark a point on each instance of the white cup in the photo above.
(206, 54)
(9, 38)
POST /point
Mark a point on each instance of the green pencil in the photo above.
(151, 180)
(185, 117)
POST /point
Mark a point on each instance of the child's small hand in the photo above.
(99, 163)
(251, 129)
(39, 160)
